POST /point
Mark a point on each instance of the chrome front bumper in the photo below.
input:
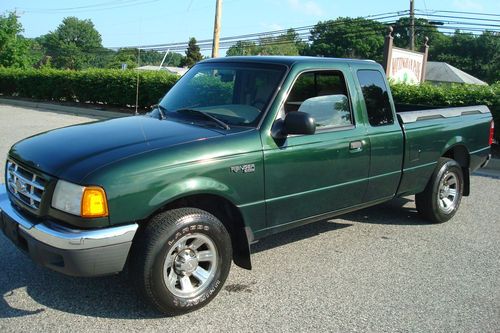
(70, 251)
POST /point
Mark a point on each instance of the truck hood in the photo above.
(72, 152)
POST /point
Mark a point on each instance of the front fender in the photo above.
(193, 186)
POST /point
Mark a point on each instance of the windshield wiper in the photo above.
(207, 116)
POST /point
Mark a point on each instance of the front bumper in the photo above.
(66, 250)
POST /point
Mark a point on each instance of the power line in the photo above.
(455, 12)
(90, 8)
(463, 17)
(82, 7)
(461, 25)
(472, 24)
(229, 41)
(462, 28)
(267, 33)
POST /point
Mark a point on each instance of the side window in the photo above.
(376, 97)
(324, 96)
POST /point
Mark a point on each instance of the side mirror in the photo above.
(299, 123)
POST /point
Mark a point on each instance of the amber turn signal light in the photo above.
(94, 203)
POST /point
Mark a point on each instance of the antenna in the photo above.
(137, 87)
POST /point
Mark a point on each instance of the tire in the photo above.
(180, 260)
(442, 196)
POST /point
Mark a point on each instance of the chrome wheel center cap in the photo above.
(186, 262)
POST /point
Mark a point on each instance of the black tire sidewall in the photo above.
(203, 223)
(448, 166)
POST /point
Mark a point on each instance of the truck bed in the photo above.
(432, 133)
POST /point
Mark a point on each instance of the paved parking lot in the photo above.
(382, 269)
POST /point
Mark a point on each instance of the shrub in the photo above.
(106, 86)
(451, 95)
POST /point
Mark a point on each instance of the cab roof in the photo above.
(289, 60)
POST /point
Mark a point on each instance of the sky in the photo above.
(143, 22)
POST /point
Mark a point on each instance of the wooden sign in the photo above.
(403, 65)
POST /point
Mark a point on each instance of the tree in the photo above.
(151, 57)
(123, 56)
(14, 48)
(422, 29)
(476, 55)
(193, 54)
(243, 48)
(75, 44)
(348, 38)
(173, 59)
(288, 43)
(285, 44)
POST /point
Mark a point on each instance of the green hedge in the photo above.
(451, 95)
(118, 88)
(106, 86)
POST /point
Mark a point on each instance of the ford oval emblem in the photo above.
(20, 186)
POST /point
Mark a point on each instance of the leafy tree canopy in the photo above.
(288, 43)
(75, 44)
(347, 38)
(14, 48)
(147, 57)
(478, 55)
(423, 29)
(193, 54)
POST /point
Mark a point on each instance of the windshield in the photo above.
(234, 93)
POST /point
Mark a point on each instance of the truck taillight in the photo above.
(492, 132)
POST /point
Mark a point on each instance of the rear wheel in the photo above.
(180, 260)
(442, 196)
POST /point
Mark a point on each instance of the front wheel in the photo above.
(442, 196)
(180, 260)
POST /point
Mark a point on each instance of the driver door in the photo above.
(311, 175)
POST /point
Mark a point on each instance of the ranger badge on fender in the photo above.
(245, 168)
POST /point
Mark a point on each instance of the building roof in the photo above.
(436, 71)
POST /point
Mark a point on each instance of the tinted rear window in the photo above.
(376, 97)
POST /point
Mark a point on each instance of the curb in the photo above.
(74, 110)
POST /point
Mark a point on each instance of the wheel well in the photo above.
(228, 214)
(460, 154)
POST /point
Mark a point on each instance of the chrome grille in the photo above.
(25, 185)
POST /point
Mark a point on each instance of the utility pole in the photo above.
(412, 25)
(218, 14)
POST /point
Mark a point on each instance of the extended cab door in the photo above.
(385, 135)
(309, 175)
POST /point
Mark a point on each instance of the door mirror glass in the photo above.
(299, 123)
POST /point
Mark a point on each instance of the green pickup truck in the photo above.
(239, 149)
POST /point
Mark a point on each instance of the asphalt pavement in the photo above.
(381, 269)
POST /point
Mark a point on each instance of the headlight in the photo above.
(84, 201)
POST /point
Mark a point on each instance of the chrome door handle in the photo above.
(355, 146)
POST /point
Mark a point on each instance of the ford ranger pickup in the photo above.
(239, 149)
